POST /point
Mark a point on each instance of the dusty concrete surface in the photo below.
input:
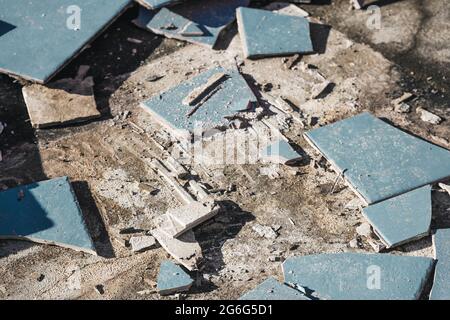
(117, 190)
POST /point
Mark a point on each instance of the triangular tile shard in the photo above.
(44, 212)
(355, 276)
(156, 4)
(264, 33)
(172, 279)
(378, 160)
(272, 289)
(226, 98)
(280, 152)
(48, 34)
(403, 218)
(212, 17)
(441, 284)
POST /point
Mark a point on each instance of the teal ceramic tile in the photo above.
(402, 218)
(264, 33)
(356, 276)
(172, 279)
(42, 39)
(156, 4)
(441, 284)
(212, 17)
(281, 152)
(271, 289)
(44, 212)
(233, 96)
(379, 160)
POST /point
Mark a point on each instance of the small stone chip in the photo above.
(142, 243)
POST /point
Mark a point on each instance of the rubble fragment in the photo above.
(286, 8)
(402, 108)
(364, 230)
(429, 117)
(156, 4)
(210, 18)
(265, 231)
(62, 102)
(271, 289)
(45, 212)
(39, 45)
(441, 284)
(403, 218)
(280, 152)
(172, 279)
(142, 243)
(444, 187)
(356, 276)
(378, 160)
(264, 33)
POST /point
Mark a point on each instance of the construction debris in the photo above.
(156, 4)
(356, 276)
(205, 21)
(265, 231)
(172, 279)
(286, 8)
(378, 160)
(141, 243)
(444, 187)
(37, 46)
(271, 289)
(199, 93)
(264, 33)
(62, 102)
(364, 230)
(441, 285)
(45, 212)
(280, 152)
(429, 117)
(403, 218)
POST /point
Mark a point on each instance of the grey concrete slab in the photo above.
(272, 289)
(47, 35)
(403, 218)
(212, 17)
(172, 279)
(264, 33)
(232, 96)
(441, 284)
(44, 212)
(356, 276)
(377, 159)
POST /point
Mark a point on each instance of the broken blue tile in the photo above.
(156, 4)
(233, 96)
(272, 289)
(357, 276)
(212, 17)
(280, 152)
(403, 218)
(379, 160)
(44, 212)
(172, 279)
(46, 34)
(441, 284)
(264, 33)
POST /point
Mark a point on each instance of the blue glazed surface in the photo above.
(171, 277)
(380, 161)
(40, 42)
(210, 16)
(282, 149)
(354, 276)
(234, 96)
(271, 289)
(265, 33)
(156, 4)
(44, 211)
(402, 218)
(441, 284)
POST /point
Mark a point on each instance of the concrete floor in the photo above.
(104, 157)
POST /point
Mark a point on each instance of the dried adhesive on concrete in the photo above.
(403, 218)
(264, 33)
(377, 159)
(272, 289)
(280, 152)
(156, 4)
(441, 284)
(48, 34)
(357, 276)
(62, 102)
(233, 95)
(172, 279)
(44, 212)
(212, 17)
